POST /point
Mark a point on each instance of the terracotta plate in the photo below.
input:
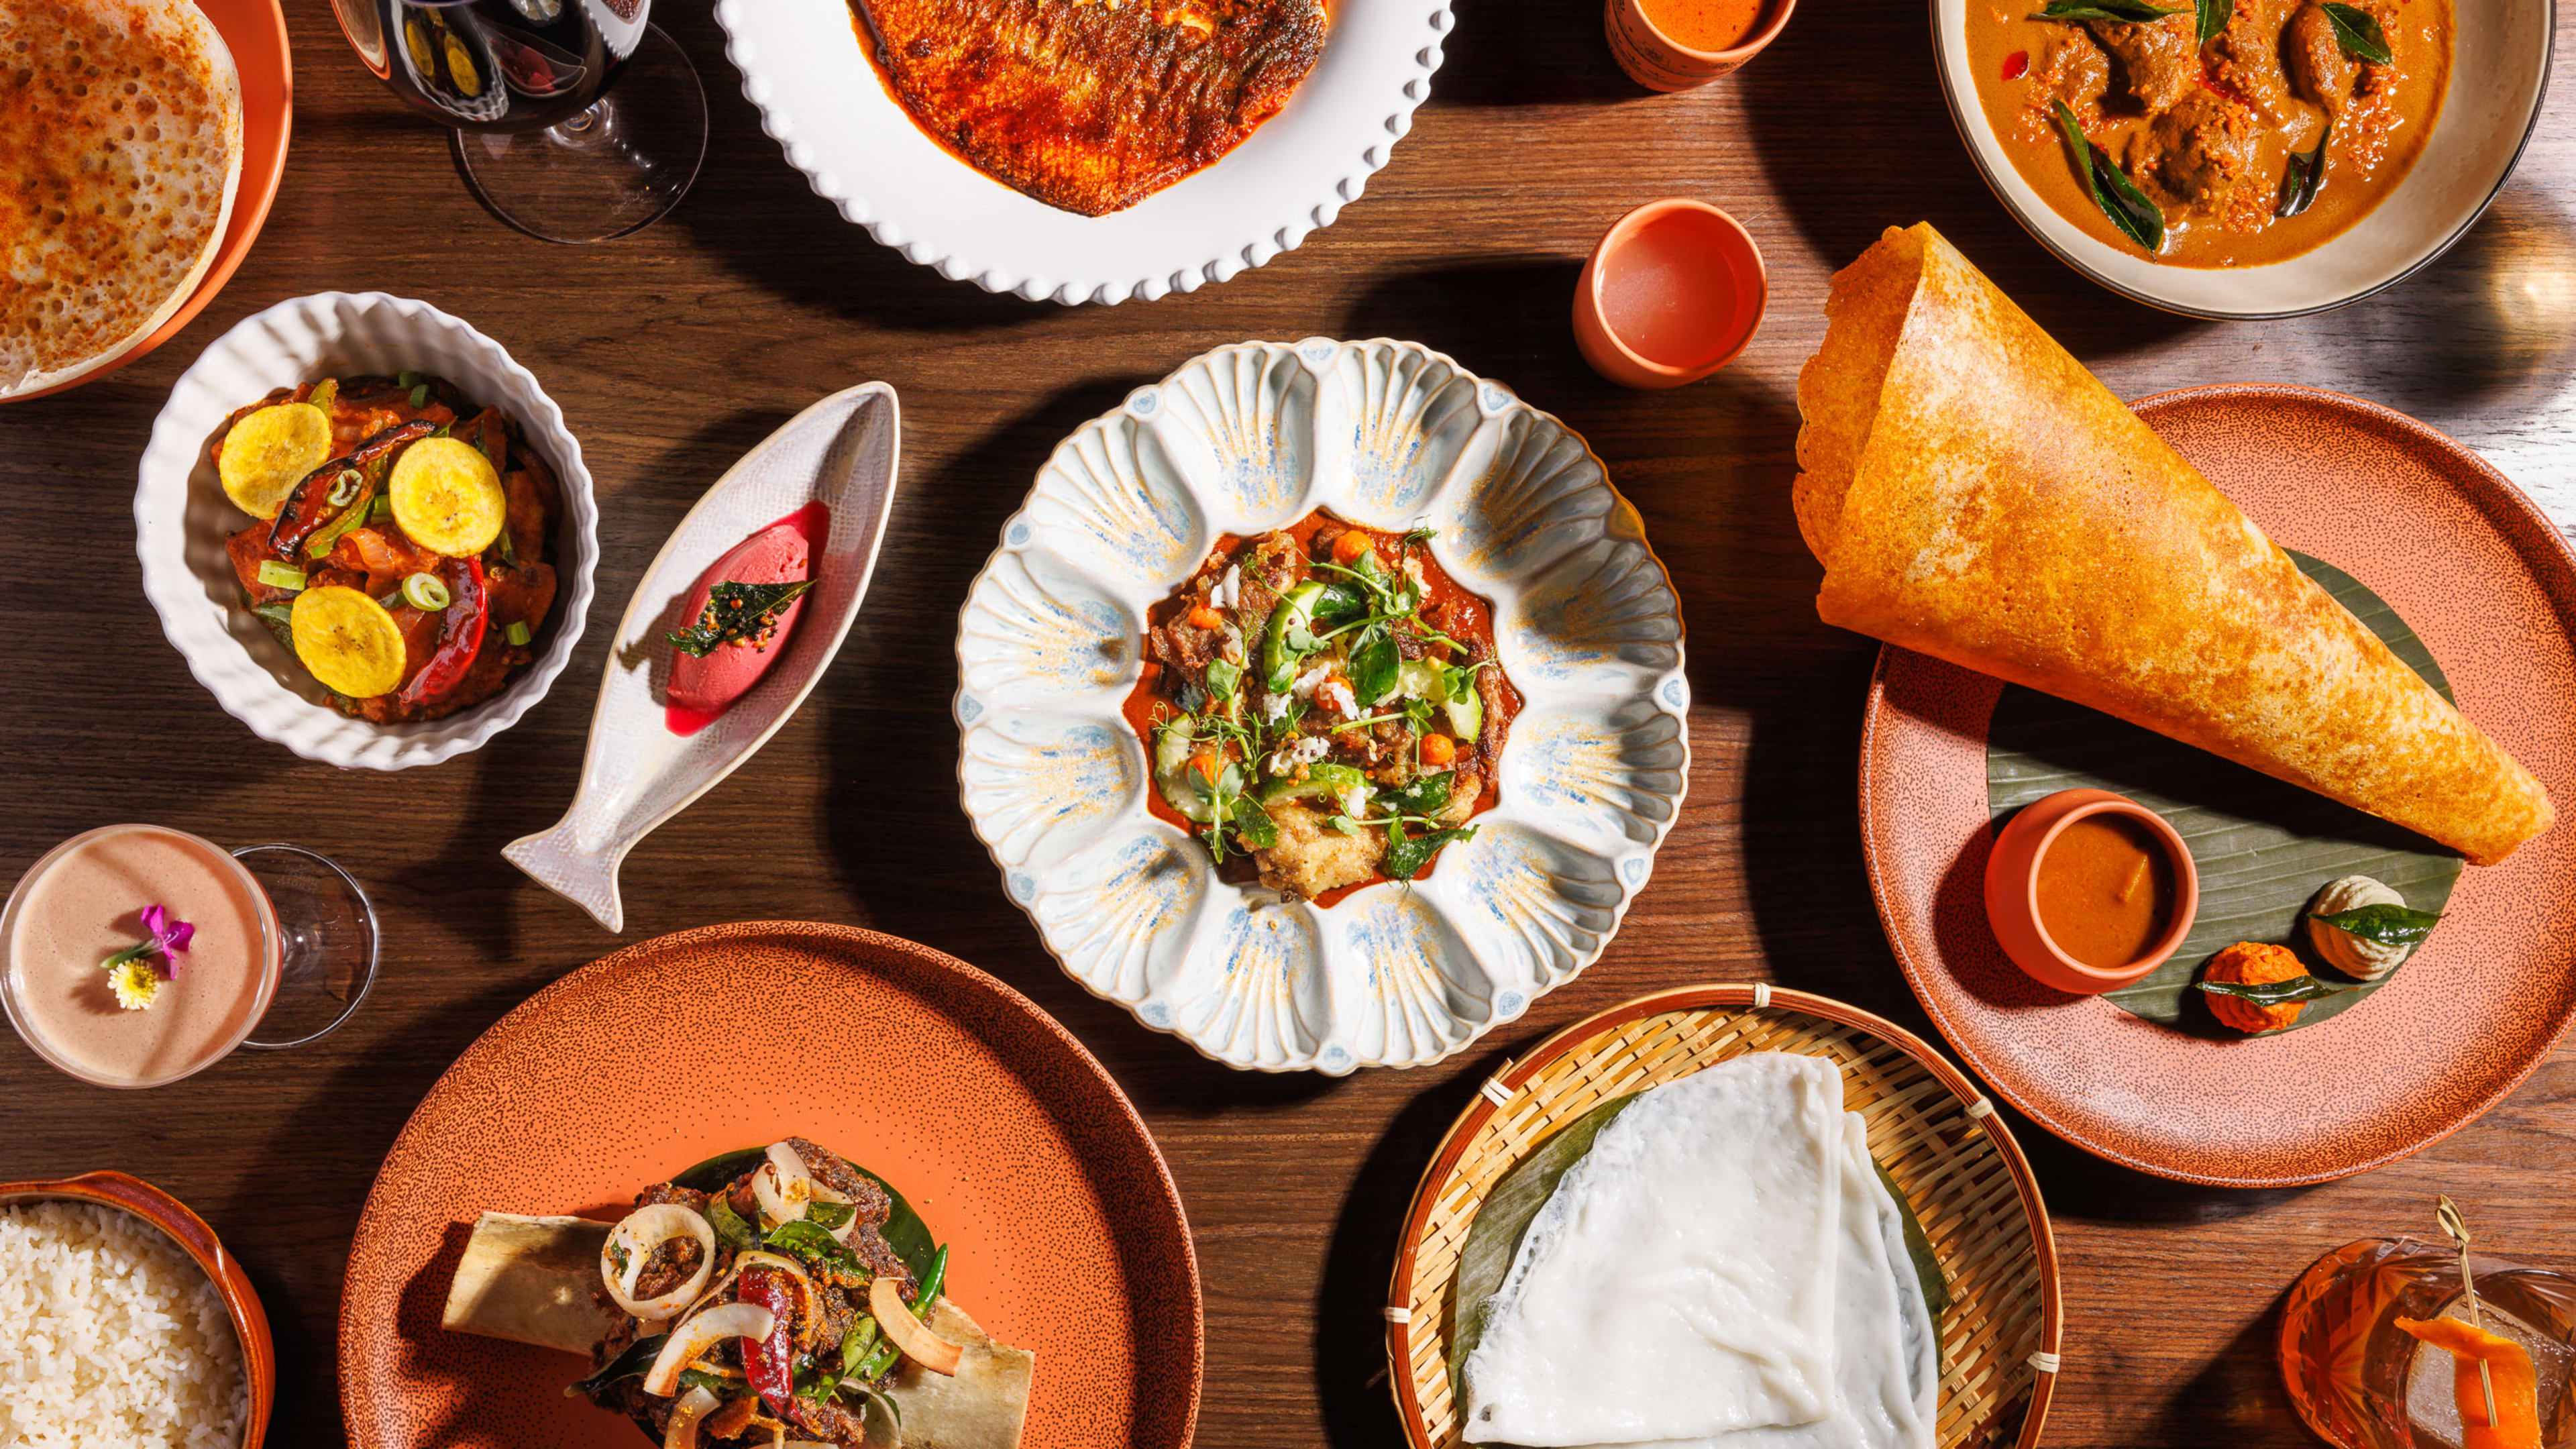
(2489, 584)
(1011, 1141)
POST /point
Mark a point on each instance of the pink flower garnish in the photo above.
(169, 937)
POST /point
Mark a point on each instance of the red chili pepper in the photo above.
(2017, 65)
(770, 1364)
(461, 628)
(309, 506)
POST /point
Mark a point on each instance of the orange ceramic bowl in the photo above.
(255, 32)
(1702, 251)
(1654, 59)
(2012, 890)
(161, 1210)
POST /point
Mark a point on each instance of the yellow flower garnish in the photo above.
(135, 982)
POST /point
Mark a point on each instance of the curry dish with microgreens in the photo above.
(1323, 707)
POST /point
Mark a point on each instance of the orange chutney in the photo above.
(2106, 890)
(1705, 25)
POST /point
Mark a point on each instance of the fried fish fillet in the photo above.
(1094, 105)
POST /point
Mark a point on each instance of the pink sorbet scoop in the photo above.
(708, 685)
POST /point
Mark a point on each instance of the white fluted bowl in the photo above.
(820, 98)
(181, 517)
(1242, 440)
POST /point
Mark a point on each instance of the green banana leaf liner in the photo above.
(2263, 847)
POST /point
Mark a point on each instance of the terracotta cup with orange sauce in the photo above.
(2041, 909)
(1673, 292)
(1673, 45)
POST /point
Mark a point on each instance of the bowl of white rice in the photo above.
(127, 1323)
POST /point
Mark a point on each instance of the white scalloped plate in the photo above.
(1244, 439)
(181, 517)
(820, 97)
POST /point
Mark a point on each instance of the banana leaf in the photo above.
(904, 1231)
(2264, 847)
(1494, 1238)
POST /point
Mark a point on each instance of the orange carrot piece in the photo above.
(2517, 1396)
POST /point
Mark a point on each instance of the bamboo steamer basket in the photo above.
(1930, 1126)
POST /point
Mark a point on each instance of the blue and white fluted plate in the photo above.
(1242, 440)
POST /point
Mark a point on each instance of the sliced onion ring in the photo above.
(642, 1231)
(694, 1405)
(910, 1334)
(782, 1184)
(692, 1339)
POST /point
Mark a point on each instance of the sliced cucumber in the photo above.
(1467, 716)
(1171, 765)
(1425, 679)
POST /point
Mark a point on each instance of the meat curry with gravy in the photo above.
(2218, 135)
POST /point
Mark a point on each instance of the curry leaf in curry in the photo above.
(2383, 925)
(2126, 12)
(2128, 208)
(2213, 18)
(737, 613)
(2275, 993)
(2358, 32)
(2305, 175)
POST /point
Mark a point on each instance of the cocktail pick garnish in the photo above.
(2447, 1213)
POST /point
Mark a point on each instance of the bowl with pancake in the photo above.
(205, 185)
(184, 516)
(1087, 153)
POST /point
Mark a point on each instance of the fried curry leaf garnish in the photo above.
(2358, 32)
(2275, 993)
(2126, 12)
(729, 1226)
(2305, 175)
(2120, 199)
(638, 1357)
(2383, 925)
(812, 1243)
(737, 613)
(830, 1215)
(2213, 18)
(1406, 855)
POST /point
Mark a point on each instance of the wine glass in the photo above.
(524, 85)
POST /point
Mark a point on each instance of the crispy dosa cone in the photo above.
(1975, 494)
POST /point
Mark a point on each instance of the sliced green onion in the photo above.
(409, 379)
(280, 576)
(517, 633)
(509, 550)
(345, 487)
(425, 593)
(382, 509)
(419, 394)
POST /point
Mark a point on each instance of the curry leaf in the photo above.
(831, 1215)
(2126, 12)
(737, 613)
(2129, 209)
(2304, 176)
(1406, 855)
(638, 1357)
(2358, 32)
(2213, 18)
(2383, 925)
(813, 1244)
(729, 1226)
(2275, 993)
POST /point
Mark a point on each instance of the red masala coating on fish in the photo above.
(1094, 105)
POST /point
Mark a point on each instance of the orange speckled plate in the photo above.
(2490, 585)
(1009, 1139)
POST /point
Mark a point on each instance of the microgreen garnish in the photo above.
(738, 614)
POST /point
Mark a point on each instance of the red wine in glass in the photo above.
(526, 86)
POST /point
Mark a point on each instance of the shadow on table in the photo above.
(1506, 53)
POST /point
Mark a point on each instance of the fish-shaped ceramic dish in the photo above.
(639, 772)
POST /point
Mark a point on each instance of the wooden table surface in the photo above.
(674, 350)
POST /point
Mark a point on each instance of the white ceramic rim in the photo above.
(1253, 240)
(2082, 252)
(1629, 888)
(244, 686)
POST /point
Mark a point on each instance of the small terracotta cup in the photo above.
(1653, 59)
(161, 1210)
(2012, 890)
(1714, 260)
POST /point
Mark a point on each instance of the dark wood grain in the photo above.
(674, 350)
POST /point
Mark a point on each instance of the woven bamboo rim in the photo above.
(1930, 1126)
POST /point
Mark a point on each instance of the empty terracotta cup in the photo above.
(171, 1216)
(2013, 891)
(1672, 45)
(1673, 292)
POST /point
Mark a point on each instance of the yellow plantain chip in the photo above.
(447, 497)
(348, 640)
(269, 452)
